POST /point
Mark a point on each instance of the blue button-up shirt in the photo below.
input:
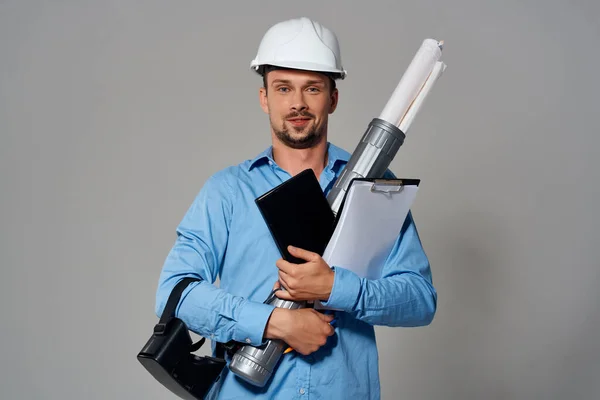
(223, 235)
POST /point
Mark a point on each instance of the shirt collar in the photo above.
(265, 156)
(336, 156)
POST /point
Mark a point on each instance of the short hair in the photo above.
(263, 70)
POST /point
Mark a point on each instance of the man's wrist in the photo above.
(276, 324)
(330, 280)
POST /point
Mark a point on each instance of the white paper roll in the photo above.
(414, 108)
(412, 81)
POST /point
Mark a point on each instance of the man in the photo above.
(223, 235)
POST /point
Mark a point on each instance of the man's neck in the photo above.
(295, 161)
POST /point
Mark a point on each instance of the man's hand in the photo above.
(312, 280)
(304, 329)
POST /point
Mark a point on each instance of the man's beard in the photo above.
(311, 138)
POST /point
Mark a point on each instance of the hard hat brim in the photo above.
(301, 65)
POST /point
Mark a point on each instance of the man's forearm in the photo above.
(406, 299)
(213, 313)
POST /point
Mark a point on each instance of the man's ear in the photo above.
(262, 94)
(333, 100)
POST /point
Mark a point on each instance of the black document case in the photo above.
(297, 213)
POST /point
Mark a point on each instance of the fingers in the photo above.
(284, 295)
(288, 293)
(284, 280)
(330, 330)
(276, 286)
(285, 266)
(303, 254)
(327, 329)
(325, 317)
(314, 334)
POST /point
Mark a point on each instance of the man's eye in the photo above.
(281, 89)
(313, 89)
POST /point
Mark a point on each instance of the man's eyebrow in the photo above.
(280, 81)
(287, 81)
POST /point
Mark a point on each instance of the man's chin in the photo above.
(304, 142)
(300, 145)
(298, 141)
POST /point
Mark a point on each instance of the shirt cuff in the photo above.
(345, 290)
(250, 327)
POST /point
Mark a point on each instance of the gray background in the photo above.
(114, 113)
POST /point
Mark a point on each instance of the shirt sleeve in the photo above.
(403, 296)
(198, 252)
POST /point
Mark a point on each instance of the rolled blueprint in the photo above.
(413, 110)
(412, 81)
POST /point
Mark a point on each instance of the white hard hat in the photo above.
(300, 44)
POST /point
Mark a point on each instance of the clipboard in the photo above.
(368, 224)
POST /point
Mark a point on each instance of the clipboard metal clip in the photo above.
(387, 185)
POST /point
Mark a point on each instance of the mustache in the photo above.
(297, 115)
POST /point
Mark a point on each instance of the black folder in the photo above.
(297, 213)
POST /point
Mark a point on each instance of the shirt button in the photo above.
(248, 340)
(301, 390)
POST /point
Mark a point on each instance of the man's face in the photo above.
(298, 104)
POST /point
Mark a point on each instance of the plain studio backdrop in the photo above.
(114, 113)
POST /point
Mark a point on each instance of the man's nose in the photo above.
(298, 103)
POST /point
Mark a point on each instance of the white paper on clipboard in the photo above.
(370, 222)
